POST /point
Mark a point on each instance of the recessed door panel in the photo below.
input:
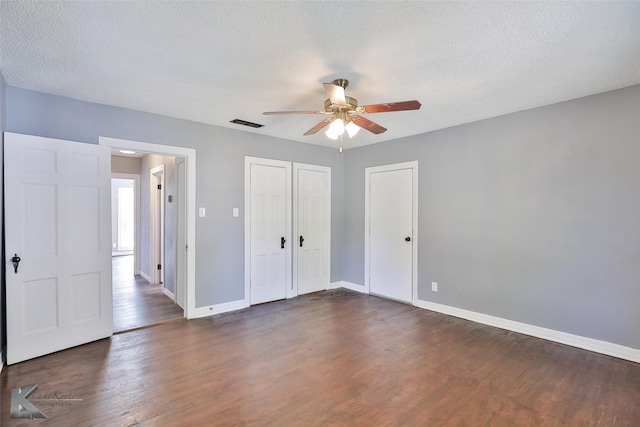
(85, 214)
(39, 301)
(39, 225)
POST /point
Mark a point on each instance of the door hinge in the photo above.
(159, 186)
(159, 266)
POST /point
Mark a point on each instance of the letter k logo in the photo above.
(21, 407)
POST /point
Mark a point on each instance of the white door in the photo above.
(391, 236)
(156, 214)
(312, 225)
(57, 201)
(269, 229)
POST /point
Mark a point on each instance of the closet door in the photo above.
(312, 227)
(268, 213)
(391, 231)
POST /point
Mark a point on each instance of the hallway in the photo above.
(136, 303)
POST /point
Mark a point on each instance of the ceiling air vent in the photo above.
(246, 123)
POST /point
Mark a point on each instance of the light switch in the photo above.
(202, 212)
(236, 212)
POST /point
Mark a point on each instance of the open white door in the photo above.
(57, 218)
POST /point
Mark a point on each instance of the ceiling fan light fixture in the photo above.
(336, 128)
(344, 113)
(352, 129)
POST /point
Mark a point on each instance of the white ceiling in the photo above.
(213, 62)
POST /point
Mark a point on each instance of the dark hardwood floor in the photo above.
(330, 358)
(136, 303)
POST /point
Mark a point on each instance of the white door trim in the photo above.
(189, 154)
(413, 165)
(327, 170)
(136, 208)
(248, 161)
(181, 235)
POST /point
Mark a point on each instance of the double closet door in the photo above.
(287, 229)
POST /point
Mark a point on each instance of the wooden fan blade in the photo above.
(390, 106)
(271, 113)
(336, 93)
(367, 124)
(319, 126)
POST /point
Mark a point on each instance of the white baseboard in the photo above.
(145, 276)
(219, 308)
(578, 341)
(169, 294)
(347, 285)
(1, 361)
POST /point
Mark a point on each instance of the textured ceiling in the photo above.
(212, 62)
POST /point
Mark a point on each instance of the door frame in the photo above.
(413, 165)
(248, 161)
(189, 154)
(136, 213)
(181, 277)
(317, 168)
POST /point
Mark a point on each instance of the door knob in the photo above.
(407, 239)
(301, 240)
(282, 240)
(15, 261)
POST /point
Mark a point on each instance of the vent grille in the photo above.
(246, 123)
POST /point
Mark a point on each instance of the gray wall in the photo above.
(3, 109)
(532, 217)
(123, 164)
(220, 174)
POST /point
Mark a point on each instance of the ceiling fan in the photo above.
(344, 112)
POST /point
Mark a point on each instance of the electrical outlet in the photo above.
(434, 286)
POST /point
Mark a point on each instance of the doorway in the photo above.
(143, 297)
(391, 230)
(185, 276)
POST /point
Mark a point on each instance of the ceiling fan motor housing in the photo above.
(343, 83)
(351, 105)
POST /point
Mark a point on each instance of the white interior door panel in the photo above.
(58, 221)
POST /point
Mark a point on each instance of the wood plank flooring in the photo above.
(136, 303)
(330, 358)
